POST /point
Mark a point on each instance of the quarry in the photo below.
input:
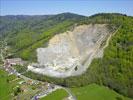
(70, 53)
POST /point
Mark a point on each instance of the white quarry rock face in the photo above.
(71, 52)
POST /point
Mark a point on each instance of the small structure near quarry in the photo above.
(13, 61)
(70, 53)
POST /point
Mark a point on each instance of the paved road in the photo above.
(50, 90)
(73, 97)
(46, 92)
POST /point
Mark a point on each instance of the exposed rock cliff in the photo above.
(70, 53)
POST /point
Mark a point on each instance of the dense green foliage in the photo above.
(96, 92)
(20, 69)
(114, 70)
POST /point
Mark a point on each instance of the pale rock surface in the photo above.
(70, 53)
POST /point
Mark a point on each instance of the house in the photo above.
(13, 61)
(30, 82)
(24, 88)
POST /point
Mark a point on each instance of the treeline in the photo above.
(115, 69)
(104, 18)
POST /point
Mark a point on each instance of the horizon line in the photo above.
(64, 12)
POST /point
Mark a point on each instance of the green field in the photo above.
(59, 94)
(96, 92)
(6, 86)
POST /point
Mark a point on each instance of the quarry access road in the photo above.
(107, 42)
(91, 57)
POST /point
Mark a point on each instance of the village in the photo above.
(25, 88)
(30, 89)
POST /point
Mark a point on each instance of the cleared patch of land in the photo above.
(96, 92)
(59, 94)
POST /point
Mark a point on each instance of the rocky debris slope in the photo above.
(70, 53)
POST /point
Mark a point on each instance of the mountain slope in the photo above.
(114, 70)
(25, 33)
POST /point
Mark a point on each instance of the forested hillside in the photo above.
(114, 70)
(26, 33)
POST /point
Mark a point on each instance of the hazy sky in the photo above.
(84, 7)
